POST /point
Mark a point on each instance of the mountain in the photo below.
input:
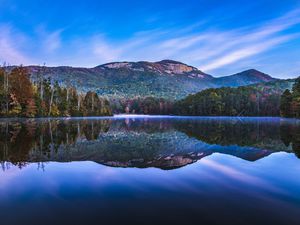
(244, 78)
(166, 78)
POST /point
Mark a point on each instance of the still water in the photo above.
(150, 170)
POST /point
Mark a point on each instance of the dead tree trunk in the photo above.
(92, 102)
(78, 102)
(6, 87)
(51, 101)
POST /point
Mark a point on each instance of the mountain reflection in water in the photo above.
(162, 142)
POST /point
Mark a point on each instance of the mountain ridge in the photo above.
(245, 77)
(166, 78)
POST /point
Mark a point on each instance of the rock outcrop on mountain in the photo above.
(167, 78)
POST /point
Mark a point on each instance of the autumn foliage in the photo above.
(20, 96)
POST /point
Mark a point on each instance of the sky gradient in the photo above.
(218, 37)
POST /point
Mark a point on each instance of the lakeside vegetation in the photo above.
(242, 101)
(32, 95)
(264, 99)
(290, 101)
(21, 96)
(142, 105)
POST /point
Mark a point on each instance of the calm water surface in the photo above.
(150, 170)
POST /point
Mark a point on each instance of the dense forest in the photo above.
(142, 105)
(21, 96)
(290, 101)
(241, 101)
(254, 100)
(32, 95)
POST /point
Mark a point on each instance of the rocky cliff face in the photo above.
(164, 67)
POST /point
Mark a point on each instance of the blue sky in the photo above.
(218, 37)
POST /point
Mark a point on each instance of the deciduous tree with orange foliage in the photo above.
(22, 88)
(20, 96)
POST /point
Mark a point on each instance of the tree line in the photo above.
(24, 96)
(227, 101)
(142, 105)
(290, 101)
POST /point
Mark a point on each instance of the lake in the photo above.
(150, 170)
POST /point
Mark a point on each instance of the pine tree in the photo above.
(296, 99)
(91, 104)
(2, 92)
(286, 104)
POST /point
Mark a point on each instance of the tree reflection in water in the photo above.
(160, 142)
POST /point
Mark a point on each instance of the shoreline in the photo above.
(140, 116)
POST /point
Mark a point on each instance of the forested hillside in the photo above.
(19, 97)
(27, 94)
(253, 100)
(290, 101)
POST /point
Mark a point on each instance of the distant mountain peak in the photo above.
(252, 71)
(169, 61)
(255, 74)
(246, 77)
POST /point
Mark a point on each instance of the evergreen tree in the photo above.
(2, 92)
(296, 99)
(91, 103)
(286, 104)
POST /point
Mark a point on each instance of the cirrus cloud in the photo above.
(207, 48)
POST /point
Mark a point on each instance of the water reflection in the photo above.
(165, 143)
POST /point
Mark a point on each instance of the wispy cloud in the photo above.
(9, 49)
(250, 42)
(105, 51)
(244, 52)
(53, 41)
(48, 41)
(206, 48)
